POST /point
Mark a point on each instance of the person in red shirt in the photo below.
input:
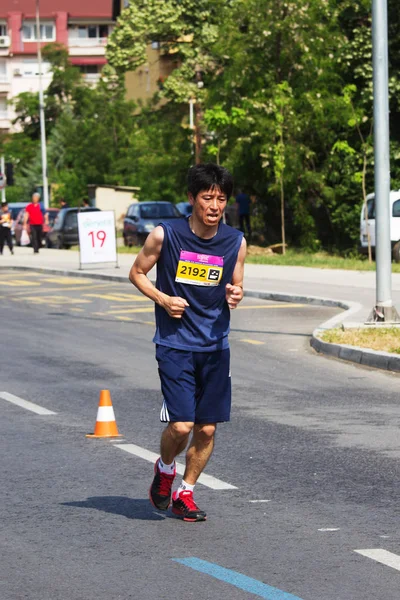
(34, 214)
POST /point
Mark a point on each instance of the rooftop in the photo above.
(74, 8)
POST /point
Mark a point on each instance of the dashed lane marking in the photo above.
(52, 300)
(119, 297)
(254, 342)
(121, 318)
(65, 280)
(65, 289)
(238, 580)
(76, 309)
(251, 307)
(207, 480)
(382, 556)
(20, 283)
(39, 410)
(143, 309)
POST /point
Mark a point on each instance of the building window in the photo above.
(3, 107)
(30, 68)
(3, 29)
(47, 32)
(91, 32)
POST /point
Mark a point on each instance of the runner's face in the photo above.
(209, 206)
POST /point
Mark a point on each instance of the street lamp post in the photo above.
(41, 112)
(384, 309)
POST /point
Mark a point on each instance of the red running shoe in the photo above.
(185, 507)
(160, 489)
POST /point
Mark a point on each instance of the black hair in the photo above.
(209, 176)
(4, 204)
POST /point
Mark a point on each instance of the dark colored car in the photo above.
(142, 217)
(15, 208)
(19, 222)
(185, 208)
(64, 232)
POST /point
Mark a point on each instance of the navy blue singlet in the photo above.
(197, 270)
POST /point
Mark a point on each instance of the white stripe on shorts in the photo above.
(164, 415)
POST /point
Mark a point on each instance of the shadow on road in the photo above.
(131, 508)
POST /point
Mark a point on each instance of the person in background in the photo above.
(85, 203)
(5, 228)
(36, 218)
(243, 207)
(63, 203)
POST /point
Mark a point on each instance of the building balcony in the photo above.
(5, 83)
(87, 46)
(91, 78)
(5, 122)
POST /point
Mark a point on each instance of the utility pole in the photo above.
(384, 309)
(3, 181)
(41, 112)
(191, 124)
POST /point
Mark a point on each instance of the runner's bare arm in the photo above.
(145, 261)
(234, 290)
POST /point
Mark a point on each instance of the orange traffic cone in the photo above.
(106, 425)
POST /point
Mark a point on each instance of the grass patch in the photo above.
(387, 339)
(320, 260)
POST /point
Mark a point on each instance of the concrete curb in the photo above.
(361, 356)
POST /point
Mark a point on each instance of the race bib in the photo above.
(199, 269)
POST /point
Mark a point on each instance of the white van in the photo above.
(394, 224)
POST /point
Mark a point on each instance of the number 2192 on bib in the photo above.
(199, 269)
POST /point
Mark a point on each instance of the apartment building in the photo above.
(83, 26)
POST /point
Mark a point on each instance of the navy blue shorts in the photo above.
(196, 385)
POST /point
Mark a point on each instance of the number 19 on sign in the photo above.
(97, 238)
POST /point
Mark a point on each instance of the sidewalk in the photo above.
(353, 291)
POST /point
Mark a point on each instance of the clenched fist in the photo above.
(234, 294)
(175, 306)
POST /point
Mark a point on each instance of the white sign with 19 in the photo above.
(97, 242)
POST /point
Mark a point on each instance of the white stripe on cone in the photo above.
(105, 414)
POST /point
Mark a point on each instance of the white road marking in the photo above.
(258, 501)
(207, 480)
(329, 529)
(39, 410)
(382, 556)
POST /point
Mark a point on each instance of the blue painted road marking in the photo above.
(237, 579)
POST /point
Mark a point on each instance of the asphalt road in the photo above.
(312, 455)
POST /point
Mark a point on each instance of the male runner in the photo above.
(200, 265)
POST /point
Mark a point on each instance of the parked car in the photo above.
(19, 223)
(142, 217)
(64, 232)
(394, 200)
(15, 208)
(185, 208)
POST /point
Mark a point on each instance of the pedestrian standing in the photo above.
(200, 266)
(6, 221)
(36, 218)
(243, 207)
